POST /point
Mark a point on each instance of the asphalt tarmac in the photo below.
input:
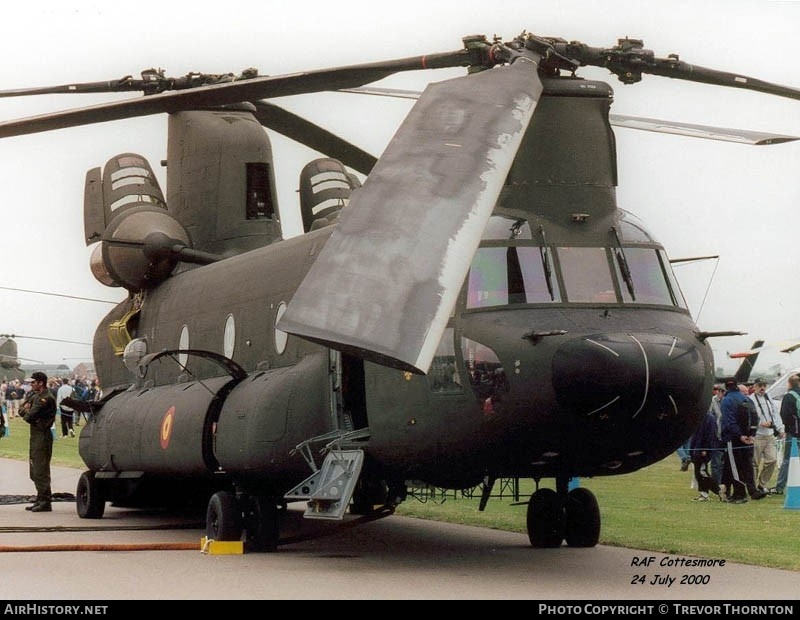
(142, 556)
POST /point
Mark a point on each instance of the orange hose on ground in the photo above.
(112, 547)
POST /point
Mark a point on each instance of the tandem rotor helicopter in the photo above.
(478, 308)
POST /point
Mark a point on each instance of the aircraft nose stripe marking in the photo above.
(608, 404)
(646, 376)
(674, 406)
(602, 346)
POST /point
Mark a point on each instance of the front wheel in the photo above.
(545, 519)
(89, 499)
(223, 521)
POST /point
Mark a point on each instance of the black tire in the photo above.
(223, 520)
(90, 500)
(545, 519)
(262, 524)
(582, 518)
(367, 495)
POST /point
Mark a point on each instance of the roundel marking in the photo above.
(166, 427)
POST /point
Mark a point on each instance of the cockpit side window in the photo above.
(677, 294)
(649, 284)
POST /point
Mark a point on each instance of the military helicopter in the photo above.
(9, 360)
(479, 307)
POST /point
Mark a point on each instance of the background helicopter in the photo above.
(9, 360)
(539, 536)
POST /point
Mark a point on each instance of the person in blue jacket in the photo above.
(739, 424)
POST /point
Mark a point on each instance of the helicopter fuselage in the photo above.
(570, 351)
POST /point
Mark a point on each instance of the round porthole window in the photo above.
(229, 337)
(280, 336)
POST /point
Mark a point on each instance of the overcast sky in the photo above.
(698, 197)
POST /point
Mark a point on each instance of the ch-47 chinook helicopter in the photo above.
(480, 309)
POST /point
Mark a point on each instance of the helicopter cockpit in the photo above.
(515, 265)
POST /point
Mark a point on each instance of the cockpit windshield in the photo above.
(512, 268)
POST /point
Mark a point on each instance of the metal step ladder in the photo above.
(330, 488)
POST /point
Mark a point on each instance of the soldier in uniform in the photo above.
(39, 410)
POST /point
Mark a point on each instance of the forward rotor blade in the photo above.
(235, 92)
(108, 86)
(313, 136)
(386, 281)
(628, 60)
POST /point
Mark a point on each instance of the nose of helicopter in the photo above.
(628, 376)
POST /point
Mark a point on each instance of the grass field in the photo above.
(651, 509)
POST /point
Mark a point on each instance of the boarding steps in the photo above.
(330, 488)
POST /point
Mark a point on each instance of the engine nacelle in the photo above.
(124, 209)
(325, 188)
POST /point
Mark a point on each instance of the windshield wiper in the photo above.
(544, 253)
(619, 253)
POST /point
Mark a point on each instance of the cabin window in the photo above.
(511, 275)
(183, 344)
(281, 337)
(229, 337)
(259, 196)
(443, 374)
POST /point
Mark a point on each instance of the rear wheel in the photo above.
(262, 523)
(582, 518)
(545, 519)
(223, 521)
(89, 498)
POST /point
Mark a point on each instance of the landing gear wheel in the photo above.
(223, 520)
(368, 494)
(89, 498)
(262, 524)
(583, 518)
(545, 519)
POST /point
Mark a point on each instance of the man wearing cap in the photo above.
(39, 410)
(739, 423)
(770, 427)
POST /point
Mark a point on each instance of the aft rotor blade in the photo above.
(313, 136)
(235, 92)
(386, 281)
(708, 132)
